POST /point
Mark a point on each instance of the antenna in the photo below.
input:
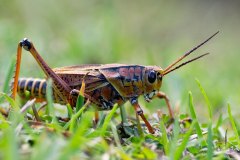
(184, 63)
(188, 53)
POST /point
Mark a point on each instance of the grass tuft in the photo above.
(79, 138)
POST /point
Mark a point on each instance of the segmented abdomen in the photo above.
(35, 87)
(104, 97)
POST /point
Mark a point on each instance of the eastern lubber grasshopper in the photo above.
(105, 85)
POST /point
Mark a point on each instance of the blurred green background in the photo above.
(153, 32)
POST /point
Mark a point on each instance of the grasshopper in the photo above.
(105, 84)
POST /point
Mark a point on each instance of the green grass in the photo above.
(24, 138)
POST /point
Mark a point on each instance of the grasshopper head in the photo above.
(153, 81)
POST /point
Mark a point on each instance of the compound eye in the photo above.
(152, 76)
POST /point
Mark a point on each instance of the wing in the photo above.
(126, 79)
(78, 69)
(74, 76)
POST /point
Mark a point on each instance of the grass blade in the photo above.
(194, 117)
(206, 98)
(174, 141)
(233, 124)
(115, 136)
(108, 119)
(123, 114)
(185, 140)
(70, 111)
(13, 103)
(9, 76)
(164, 138)
(49, 108)
(80, 102)
(210, 142)
(76, 116)
(8, 79)
(219, 123)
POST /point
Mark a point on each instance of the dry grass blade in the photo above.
(27, 105)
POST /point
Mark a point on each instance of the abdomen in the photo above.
(104, 97)
(29, 88)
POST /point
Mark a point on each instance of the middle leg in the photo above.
(139, 112)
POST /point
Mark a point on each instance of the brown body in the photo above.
(105, 85)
